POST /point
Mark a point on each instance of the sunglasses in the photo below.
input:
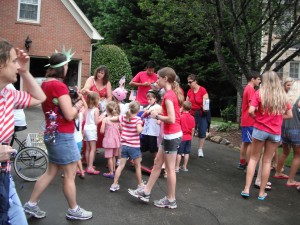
(189, 82)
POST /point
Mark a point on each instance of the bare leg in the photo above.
(295, 165)
(119, 170)
(178, 160)
(254, 157)
(201, 143)
(258, 177)
(43, 182)
(170, 160)
(69, 187)
(285, 153)
(186, 160)
(92, 145)
(138, 171)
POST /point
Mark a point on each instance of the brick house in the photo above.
(50, 25)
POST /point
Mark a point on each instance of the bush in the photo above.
(224, 127)
(116, 61)
(229, 113)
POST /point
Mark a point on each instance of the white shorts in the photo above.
(90, 135)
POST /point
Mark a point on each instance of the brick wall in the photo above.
(57, 27)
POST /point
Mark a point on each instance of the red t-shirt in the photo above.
(196, 99)
(55, 89)
(187, 125)
(143, 77)
(174, 127)
(246, 119)
(264, 121)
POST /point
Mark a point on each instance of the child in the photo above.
(187, 126)
(111, 141)
(90, 130)
(269, 106)
(130, 139)
(151, 125)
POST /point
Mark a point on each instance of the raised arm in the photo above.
(33, 88)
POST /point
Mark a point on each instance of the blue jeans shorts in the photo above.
(291, 136)
(264, 136)
(130, 152)
(201, 124)
(170, 146)
(247, 134)
(184, 147)
(64, 150)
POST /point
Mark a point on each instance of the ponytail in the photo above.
(178, 92)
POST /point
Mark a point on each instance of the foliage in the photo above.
(116, 61)
(225, 127)
(229, 113)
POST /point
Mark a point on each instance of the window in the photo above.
(29, 10)
(294, 70)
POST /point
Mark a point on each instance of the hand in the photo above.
(153, 114)
(23, 60)
(146, 84)
(5, 152)
(84, 91)
(102, 116)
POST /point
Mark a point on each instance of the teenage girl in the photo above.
(269, 106)
(130, 139)
(111, 141)
(90, 130)
(167, 152)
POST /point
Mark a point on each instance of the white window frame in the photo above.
(37, 20)
(292, 75)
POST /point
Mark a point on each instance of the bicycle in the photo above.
(30, 161)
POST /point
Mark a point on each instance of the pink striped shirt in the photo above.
(129, 136)
(9, 100)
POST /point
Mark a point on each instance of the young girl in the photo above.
(269, 106)
(78, 138)
(90, 130)
(111, 141)
(167, 152)
(130, 139)
(151, 125)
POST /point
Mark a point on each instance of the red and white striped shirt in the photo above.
(129, 136)
(9, 100)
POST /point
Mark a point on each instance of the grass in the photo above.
(289, 159)
(219, 122)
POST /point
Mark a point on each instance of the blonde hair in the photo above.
(171, 78)
(272, 94)
(113, 108)
(92, 99)
(134, 108)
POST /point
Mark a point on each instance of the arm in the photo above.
(251, 111)
(103, 126)
(139, 128)
(38, 96)
(170, 118)
(96, 116)
(109, 92)
(69, 111)
(5, 152)
(288, 114)
(87, 86)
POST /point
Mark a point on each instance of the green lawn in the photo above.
(289, 159)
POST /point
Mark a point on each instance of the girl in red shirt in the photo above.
(167, 152)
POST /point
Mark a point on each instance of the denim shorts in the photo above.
(184, 147)
(291, 136)
(64, 150)
(171, 146)
(130, 152)
(201, 124)
(247, 134)
(264, 136)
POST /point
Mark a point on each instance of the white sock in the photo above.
(75, 209)
(32, 204)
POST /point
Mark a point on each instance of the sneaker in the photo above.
(165, 203)
(114, 188)
(140, 194)
(200, 153)
(109, 175)
(80, 214)
(242, 166)
(34, 211)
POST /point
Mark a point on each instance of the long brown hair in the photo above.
(106, 73)
(171, 78)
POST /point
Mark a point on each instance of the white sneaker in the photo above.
(200, 153)
(80, 214)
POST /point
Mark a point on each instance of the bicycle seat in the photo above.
(20, 128)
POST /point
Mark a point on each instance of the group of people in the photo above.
(267, 119)
(99, 116)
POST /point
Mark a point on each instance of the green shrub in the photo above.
(229, 113)
(116, 61)
(224, 127)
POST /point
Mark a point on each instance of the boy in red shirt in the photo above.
(187, 127)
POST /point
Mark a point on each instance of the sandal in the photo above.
(267, 188)
(92, 171)
(262, 197)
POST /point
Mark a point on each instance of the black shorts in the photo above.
(149, 143)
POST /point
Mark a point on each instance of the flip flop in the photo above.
(281, 177)
(267, 188)
(296, 184)
(185, 170)
(245, 195)
(262, 197)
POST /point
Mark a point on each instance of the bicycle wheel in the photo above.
(31, 163)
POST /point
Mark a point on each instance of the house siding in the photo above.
(57, 28)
